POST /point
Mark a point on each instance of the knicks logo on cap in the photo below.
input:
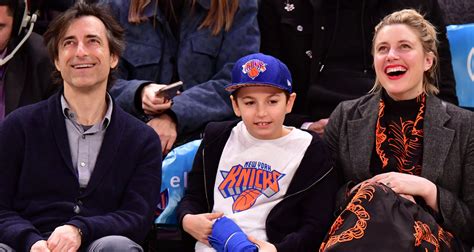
(253, 68)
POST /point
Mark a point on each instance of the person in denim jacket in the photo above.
(181, 40)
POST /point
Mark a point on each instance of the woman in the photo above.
(410, 154)
(193, 41)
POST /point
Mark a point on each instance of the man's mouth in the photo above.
(82, 66)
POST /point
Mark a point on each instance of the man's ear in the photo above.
(290, 102)
(113, 61)
(235, 106)
(56, 64)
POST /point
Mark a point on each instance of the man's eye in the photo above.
(68, 43)
(94, 41)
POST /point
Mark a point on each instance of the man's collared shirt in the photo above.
(85, 140)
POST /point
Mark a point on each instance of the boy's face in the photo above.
(263, 110)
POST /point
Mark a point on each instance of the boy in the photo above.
(275, 182)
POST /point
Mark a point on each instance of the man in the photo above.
(77, 171)
(25, 78)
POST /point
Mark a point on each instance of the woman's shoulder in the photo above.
(455, 112)
(362, 104)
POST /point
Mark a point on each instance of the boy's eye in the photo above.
(249, 103)
(273, 101)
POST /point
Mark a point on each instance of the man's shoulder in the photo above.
(131, 124)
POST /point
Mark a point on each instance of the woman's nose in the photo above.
(392, 54)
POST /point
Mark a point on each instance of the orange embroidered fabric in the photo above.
(378, 219)
(399, 136)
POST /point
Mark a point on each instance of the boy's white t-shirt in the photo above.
(253, 176)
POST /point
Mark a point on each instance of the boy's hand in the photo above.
(199, 226)
(263, 246)
(40, 246)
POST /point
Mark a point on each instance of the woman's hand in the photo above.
(152, 102)
(199, 226)
(407, 184)
(263, 246)
(319, 126)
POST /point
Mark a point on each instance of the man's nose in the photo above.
(81, 50)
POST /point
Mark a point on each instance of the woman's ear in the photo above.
(429, 58)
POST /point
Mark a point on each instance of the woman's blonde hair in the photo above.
(426, 33)
(220, 16)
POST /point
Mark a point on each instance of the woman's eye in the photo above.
(405, 46)
(382, 49)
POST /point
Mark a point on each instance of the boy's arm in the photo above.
(317, 215)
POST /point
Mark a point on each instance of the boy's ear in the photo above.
(290, 102)
(235, 106)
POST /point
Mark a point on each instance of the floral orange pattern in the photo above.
(404, 142)
(365, 193)
(423, 233)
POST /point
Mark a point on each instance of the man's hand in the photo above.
(263, 246)
(153, 104)
(319, 126)
(165, 127)
(199, 226)
(40, 246)
(65, 238)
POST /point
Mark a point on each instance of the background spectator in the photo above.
(25, 78)
(194, 41)
(457, 11)
(326, 44)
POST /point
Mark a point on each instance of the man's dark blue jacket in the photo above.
(39, 188)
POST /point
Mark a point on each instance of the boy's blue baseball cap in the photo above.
(260, 70)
